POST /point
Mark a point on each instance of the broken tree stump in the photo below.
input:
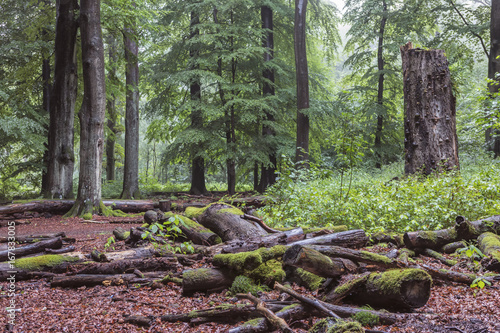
(431, 142)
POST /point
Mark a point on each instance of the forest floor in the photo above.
(40, 308)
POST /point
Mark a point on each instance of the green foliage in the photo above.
(169, 229)
(109, 244)
(377, 203)
(366, 318)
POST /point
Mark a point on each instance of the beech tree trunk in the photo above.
(131, 171)
(92, 113)
(380, 92)
(493, 136)
(62, 105)
(302, 75)
(112, 131)
(430, 125)
(268, 173)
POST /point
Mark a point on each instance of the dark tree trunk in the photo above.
(231, 129)
(268, 174)
(302, 146)
(198, 162)
(205, 280)
(112, 113)
(47, 89)
(430, 125)
(62, 104)
(493, 136)
(92, 113)
(380, 93)
(131, 172)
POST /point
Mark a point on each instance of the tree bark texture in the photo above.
(302, 76)
(351, 238)
(62, 105)
(92, 113)
(128, 266)
(205, 280)
(90, 280)
(229, 225)
(268, 173)
(47, 91)
(112, 112)
(493, 141)
(313, 261)
(380, 91)
(131, 167)
(198, 162)
(430, 124)
(53, 243)
(489, 244)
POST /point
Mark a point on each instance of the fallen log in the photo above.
(355, 255)
(11, 254)
(141, 321)
(260, 222)
(467, 230)
(61, 250)
(121, 234)
(440, 257)
(275, 321)
(32, 238)
(226, 222)
(351, 238)
(91, 280)
(327, 325)
(193, 231)
(227, 313)
(452, 247)
(429, 239)
(128, 265)
(313, 261)
(397, 288)
(62, 206)
(489, 244)
(205, 280)
(387, 237)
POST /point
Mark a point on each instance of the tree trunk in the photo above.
(205, 280)
(402, 289)
(131, 171)
(380, 93)
(268, 174)
(128, 266)
(198, 162)
(226, 222)
(112, 112)
(302, 75)
(92, 113)
(313, 262)
(62, 104)
(493, 136)
(430, 125)
(351, 238)
(47, 91)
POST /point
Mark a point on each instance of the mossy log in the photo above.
(313, 261)
(254, 243)
(405, 256)
(387, 237)
(52, 243)
(303, 278)
(226, 313)
(121, 234)
(395, 288)
(355, 255)
(327, 325)
(489, 244)
(351, 238)
(467, 230)
(453, 247)
(429, 239)
(206, 280)
(128, 266)
(194, 231)
(91, 280)
(226, 222)
(440, 257)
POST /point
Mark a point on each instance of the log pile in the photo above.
(235, 244)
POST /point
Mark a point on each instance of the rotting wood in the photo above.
(33, 238)
(351, 238)
(205, 280)
(440, 257)
(61, 250)
(128, 266)
(313, 261)
(52, 243)
(489, 244)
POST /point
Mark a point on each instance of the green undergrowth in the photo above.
(375, 201)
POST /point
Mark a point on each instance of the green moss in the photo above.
(87, 216)
(331, 325)
(333, 229)
(310, 281)
(232, 210)
(389, 282)
(244, 285)
(194, 212)
(490, 244)
(376, 257)
(48, 260)
(238, 261)
(268, 272)
(346, 287)
(252, 323)
(366, 318)
(274, 252)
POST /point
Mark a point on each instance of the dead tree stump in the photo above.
(430, 125)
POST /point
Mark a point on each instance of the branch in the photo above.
(472, 32)
(276, 321)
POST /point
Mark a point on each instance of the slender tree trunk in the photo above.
(380, 93)
(131, 172)
(92, 113)
(268, 174)
(46, 111)
(198, 162)
(302, 146)
(112, 113)
(62, 104)
(493, 136)
(430, 125)
(231, 128)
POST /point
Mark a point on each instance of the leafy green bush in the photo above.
(375, 202)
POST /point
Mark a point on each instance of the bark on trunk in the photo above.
(492, 135)
(128, 266)
(302, 76)
(92, 113)
(112, 131)
(430, 125)
(62, 105)
(351, 238)
(380, 92)
(313, 261)
(131, 167)
(402, 289)
(227, 224)
(205, 280)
